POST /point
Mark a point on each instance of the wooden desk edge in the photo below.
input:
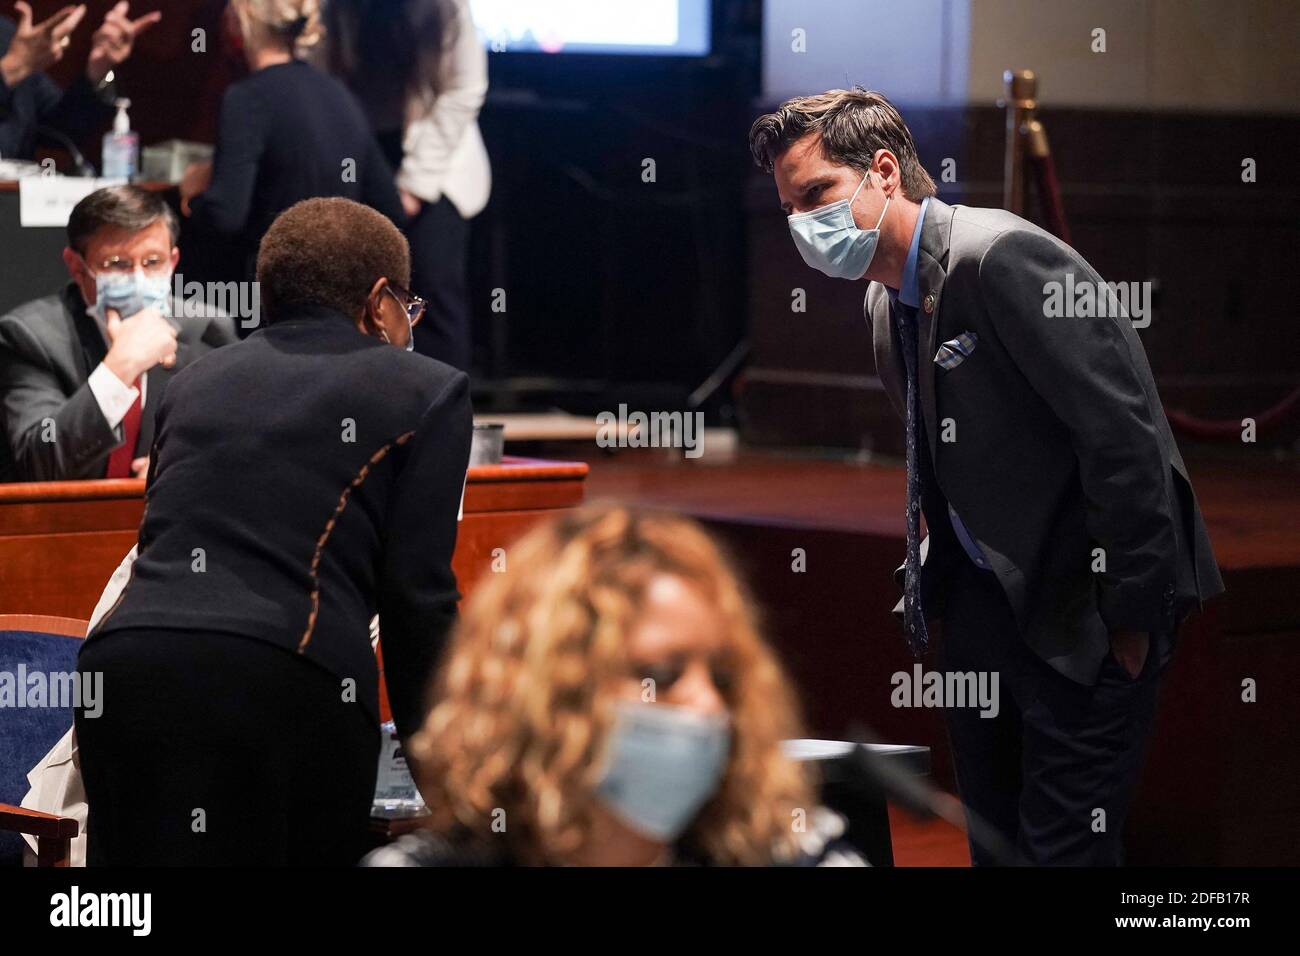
(511, 469)
(11, 185)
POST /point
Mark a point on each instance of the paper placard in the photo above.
(45, 201)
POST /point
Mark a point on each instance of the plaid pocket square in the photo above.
(953, 352)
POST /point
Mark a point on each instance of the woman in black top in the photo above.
(287, 132)
(306, 479)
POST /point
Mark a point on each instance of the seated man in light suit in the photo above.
(82, 371)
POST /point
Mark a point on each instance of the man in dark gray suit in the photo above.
(1064, 545)
(82, 371)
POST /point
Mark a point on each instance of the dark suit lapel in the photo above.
(158, 377)
(931, 265)
(89, 348)
(188, 339)
(888, 358)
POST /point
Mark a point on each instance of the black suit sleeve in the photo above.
(1092, 372)
(379, 186)
(8, 27)
(219, 331)
(225, 206)
(38, 100)
(79, 111)
(152, 473)
(417, 588)
(52, 436)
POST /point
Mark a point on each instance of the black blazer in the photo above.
(302, 481)
(48, 348)
(286, 133)
(1049, 441)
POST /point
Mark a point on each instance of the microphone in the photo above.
(926, 801)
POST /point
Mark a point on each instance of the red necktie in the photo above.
(120, 458)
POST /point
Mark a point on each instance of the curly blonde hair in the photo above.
(298, 22)
(523, 699)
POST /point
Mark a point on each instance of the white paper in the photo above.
(48, 200)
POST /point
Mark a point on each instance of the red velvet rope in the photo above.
(1049, 193)
(1230, 430)
(1193, 426)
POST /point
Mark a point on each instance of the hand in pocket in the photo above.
(1130, 648)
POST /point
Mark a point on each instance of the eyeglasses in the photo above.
(412, 303)
(152, 265)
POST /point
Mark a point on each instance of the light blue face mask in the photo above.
(831, 242)
(130, 293)
(662, 764)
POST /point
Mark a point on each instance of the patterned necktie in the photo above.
(913, 617)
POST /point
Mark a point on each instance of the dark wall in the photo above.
(610, 279)
(174, 91)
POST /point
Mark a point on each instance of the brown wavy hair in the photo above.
(522, 701)
(853, 125)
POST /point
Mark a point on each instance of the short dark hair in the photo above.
(125, 207)
(329, 252)
(854, 124)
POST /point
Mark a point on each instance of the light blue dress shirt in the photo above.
(908, 295)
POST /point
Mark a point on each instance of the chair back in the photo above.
(38, 655)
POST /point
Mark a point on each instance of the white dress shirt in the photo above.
(112, 395)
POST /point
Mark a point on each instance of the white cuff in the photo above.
(114, 398)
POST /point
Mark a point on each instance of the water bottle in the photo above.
(121, 146)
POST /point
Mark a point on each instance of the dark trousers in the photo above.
(1054, 772)
(439, 239)
(214, 749)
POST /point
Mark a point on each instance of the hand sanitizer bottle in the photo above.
(121, 146)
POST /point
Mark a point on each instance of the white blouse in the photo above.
(443, 151)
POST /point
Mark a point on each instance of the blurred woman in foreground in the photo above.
(607, 701)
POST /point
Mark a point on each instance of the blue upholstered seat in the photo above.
(28, 733)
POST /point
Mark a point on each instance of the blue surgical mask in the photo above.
(662, 764)
(831, 242)
(410, 327)
(129, 293)
(410, 336)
